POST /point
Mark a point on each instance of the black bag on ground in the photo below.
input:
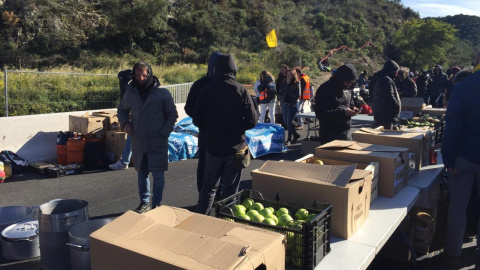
(19, 165)
(95, 156)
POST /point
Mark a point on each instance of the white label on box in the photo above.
(397, 172)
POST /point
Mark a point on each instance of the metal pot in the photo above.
(79, 236)
(10, 215)
(20, 241)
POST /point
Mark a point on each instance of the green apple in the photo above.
(318, 161)
(301, 213)
(284, 220)
(252, 213)
(248, 203)
(311, 217)
(265, 211)
(258, 218)
(257, 206)
(244, 217)
(271, 209)
(239, 210)
(272, 216)
(282, 211)
(269, 221)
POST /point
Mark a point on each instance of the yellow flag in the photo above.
(272, 39)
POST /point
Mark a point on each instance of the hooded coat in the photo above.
(332, 99)
(438, 83)
(225, 110)
(386, 101)
(152, 113)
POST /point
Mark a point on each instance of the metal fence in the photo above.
(36, 92)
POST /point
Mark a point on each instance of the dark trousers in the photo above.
(202, 151)
(386, 121)
(217, 170)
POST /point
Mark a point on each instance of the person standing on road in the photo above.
(267, 96)
(461, 157)
(291, 91)
(386, 101)
(280, 82)
(192, 98)
(406, 87)
(224, 111)
(147, 113)
(334, 106)
(124, 78)
(437, 86)
(305, 94)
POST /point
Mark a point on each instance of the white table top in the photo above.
(385, 216)
(424, 178)
(306, 115)
(363, 117)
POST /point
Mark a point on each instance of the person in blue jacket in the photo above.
(461, 157)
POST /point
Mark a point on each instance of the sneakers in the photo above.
(118, 166)
(142, 207)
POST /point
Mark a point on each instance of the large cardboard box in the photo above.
(115, 143)
(412, 104)
(87, 124)
(392, 175)
(415, 142)
(175, 238)
(373, 167)
(345, 188)
(112, 119)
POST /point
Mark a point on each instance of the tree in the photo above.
(135, 18)
(424, 43)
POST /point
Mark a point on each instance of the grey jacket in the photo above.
(152, 123)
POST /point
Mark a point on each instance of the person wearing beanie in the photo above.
(334, 105)
(436, 88)
(386, 100)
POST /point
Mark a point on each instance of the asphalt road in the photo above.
(111, 193)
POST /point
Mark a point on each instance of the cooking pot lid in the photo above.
(21, 230)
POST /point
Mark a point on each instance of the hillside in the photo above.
(109, 34)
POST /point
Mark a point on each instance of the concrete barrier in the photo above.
(34, 137)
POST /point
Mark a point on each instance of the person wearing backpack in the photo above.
(267, 94)
(148, 113)
(124, 78)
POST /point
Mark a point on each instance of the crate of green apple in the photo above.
(307, 230)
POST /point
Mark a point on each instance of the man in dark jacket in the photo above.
(406, 87)
(224, 112)
(461, 156)
(436, 88)
(422, 82)
(386, 101)
(147, 113)
(192, 98)
(334, 106)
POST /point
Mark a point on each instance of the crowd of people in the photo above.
(223, 110)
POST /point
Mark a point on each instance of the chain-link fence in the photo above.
(35, 92)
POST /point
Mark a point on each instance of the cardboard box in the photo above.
(115, 143)
(372, 167)
(415, 142)
(112, 119)
(392, 175)
(175, 238)
(345, 188)
(87, 124)
(415, 105)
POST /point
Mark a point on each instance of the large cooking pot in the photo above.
(10, 215)
(20, 241)
(80, 242)
(55, 219)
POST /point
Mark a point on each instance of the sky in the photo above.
(442, 8)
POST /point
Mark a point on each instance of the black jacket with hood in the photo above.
(225, 110)
(386, 101)
(332, 99)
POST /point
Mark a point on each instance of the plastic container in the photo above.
(76, 150)
(307, 246)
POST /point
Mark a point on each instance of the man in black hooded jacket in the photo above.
(223, 112)
(386, 101)
(334, 106)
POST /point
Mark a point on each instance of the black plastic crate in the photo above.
(307, 246)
